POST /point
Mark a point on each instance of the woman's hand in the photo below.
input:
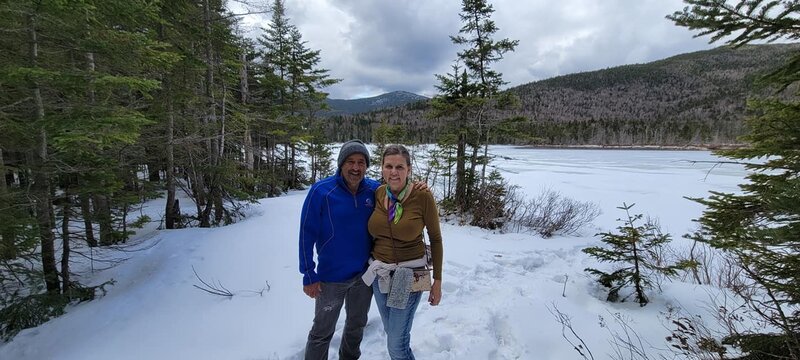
(435, 295)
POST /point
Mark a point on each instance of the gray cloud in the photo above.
(382, 46)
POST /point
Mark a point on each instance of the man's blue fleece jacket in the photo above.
(334, 223)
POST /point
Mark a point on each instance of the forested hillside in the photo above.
(691, 99)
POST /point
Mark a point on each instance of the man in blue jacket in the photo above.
(334, 223)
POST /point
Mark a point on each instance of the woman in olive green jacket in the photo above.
(401, 213)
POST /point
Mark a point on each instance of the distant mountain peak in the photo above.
(387, 100)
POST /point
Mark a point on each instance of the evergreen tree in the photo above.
(320, 154)
(760, 226)
(291, 87)
(77, 74)
(442, 158)
(384, 134)
(203, 113)
(466, 93)
(634, 251)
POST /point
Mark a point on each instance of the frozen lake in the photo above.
(655, 180)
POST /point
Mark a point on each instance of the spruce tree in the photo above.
(633, 250)
(320, 154)
(466, 93)
(760, 225)
(292, 90)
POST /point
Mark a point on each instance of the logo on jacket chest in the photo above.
(368, 203)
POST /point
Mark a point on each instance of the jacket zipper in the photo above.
(355, 195)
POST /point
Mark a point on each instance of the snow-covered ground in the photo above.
(499, 293)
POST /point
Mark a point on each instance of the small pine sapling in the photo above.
(634, 249)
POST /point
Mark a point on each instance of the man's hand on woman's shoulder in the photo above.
(420, 185)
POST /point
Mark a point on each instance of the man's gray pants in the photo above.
(356, 297)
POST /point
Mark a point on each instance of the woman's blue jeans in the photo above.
(397, 323)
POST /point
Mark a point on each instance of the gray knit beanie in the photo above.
(352, 147)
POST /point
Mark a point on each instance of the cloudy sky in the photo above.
(378, 46)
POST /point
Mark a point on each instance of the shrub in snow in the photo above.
(491, 199)
(549, 213)
(36, 309)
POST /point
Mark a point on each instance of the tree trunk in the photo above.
(637, 275)
(86, 211)
(216, 191)
(3, 185)
(153, 172)
(258, 152)
(244, 87)
(485, 161)
(198, 190)
(85, 199)
(171, 209)
(209, 84)
(41, 182)
(205, 215)
(249, 161)
(41, 192)
(219, 208)
(169, 212)
(481, 125)
(214, 145)
(102, 211)
(293, 181)
(471, 188)
(272, 160)
(65, 235)
(124, 222)
(449, 171)
(287, 170)
(461, 172)
(8, 247)
(221, 154)
(313, 152)
(244, 90)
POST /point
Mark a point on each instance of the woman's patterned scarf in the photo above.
(395, 205)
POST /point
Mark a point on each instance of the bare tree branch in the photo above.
(566, 324)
